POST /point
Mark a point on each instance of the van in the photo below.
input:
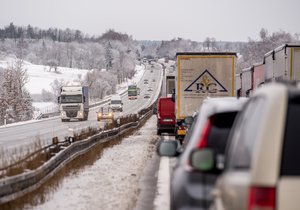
(116, 103)
(165, 115)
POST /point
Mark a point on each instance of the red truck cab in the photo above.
(165, 116)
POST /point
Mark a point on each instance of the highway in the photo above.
(20, 135)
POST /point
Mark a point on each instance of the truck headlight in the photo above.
(99, 114)
(80, 114)
(110, 114)
(63, 114)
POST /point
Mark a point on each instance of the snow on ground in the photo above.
(112, 182)
(139, 72)
(39, 77)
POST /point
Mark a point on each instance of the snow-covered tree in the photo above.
(15, 100)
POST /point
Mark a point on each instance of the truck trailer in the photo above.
(201, 75)
(74, 103)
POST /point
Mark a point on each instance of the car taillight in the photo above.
(202, 143)
(261, 198)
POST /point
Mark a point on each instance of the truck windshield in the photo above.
(116, 102)
(71, 99)
(132, 92)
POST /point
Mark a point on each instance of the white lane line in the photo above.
(162, 198)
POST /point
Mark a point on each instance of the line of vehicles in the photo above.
(280, 64)
(74, 102)
(238, 152)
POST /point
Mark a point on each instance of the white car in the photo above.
(262, 169)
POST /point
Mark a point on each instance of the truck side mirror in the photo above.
(173, 97)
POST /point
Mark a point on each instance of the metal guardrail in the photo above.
(16, 186)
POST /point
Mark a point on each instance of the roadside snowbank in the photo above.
(112, 182)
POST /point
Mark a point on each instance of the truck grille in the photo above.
(71, 113)
(71, 110)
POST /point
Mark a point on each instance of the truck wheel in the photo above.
(158, 132)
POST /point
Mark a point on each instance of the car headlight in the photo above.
(80, 113)
(99, 114)
(110, 114)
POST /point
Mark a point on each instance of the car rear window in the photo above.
(222, 124)
(291, 147)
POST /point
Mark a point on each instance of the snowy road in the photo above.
(23, 134)
(112, 181)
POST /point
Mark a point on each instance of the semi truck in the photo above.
(133, 92)
(201, 75)
(74, 103)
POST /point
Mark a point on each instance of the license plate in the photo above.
(167, 120)
(181, 132)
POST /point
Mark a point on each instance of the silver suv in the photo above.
(190, 189)
(262, 169)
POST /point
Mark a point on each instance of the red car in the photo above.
(165, 116)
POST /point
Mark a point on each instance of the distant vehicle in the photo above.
(150, 89)
(191, 189)
(133, 92)
(151, 71)
(165, 116)
(147, 95)
(104, 113)
(74, 103)
(261, 165)
(145, 81)
(116, 103)
(153, 80)
(201, 75)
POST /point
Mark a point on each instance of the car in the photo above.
(147, 95)
(262, 169)
(104, 113)
(153, 80)
(190, 189)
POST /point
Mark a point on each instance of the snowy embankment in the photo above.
(112, 182)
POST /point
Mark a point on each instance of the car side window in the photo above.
(244, 135)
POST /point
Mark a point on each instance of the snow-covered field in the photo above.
(112, 182)
(39, 78)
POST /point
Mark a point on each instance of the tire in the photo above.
(158, 132)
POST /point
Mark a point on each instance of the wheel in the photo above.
(158, 132)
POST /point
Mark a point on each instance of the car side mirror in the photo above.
(168, 148)
(173, 95)
(202, 160)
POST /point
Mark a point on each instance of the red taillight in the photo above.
(202, 143)
(262, 198)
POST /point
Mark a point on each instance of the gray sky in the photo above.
(226, 20)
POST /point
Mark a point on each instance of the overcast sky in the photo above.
(226, 20)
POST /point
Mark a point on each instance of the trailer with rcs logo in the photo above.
(198, 76)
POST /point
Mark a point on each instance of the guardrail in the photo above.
(14, 187)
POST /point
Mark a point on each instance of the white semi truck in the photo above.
(74, 103)
(201, 75)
